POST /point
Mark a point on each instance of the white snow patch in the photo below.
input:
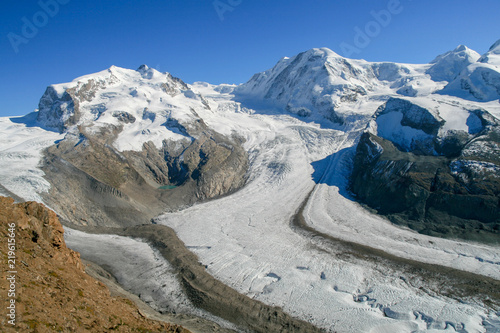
(20, 153)
(390, 128)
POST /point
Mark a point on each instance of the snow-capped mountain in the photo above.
(286, 160)
(101, 98)
(130, 139)
(479, 80)
(447, 66)
(321, 81)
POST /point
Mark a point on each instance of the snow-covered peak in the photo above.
(461, 47)
(143, 68)
(492, 57)
(312, 81)
(322, 52)
(141, 102)
(479, 80)
(153, 74)
(319, 81)
(447, 66)
(310, 64)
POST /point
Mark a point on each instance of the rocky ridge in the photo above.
(442, 183)
(53, 292)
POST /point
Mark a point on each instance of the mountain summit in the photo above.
(449, 65)
(479, 80)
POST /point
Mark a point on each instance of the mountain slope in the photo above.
(133, 146)
(447, 66)
(54, 293)
(480, 80)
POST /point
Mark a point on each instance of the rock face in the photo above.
(134, 147)
(417, 128)
(53, 293)
(443, 183)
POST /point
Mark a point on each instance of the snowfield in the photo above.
(20, 153)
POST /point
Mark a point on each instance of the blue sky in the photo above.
(222, 41)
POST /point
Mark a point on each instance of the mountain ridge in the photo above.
(54, 292)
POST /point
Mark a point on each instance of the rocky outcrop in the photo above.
(436, 195)
(62, 110)
(412, 168)
(95, 184)
(53, 293)
(409, 126)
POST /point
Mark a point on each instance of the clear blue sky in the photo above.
(189, 39)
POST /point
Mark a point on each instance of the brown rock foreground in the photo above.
(52, 291)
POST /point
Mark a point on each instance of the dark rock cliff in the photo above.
(436, 195)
